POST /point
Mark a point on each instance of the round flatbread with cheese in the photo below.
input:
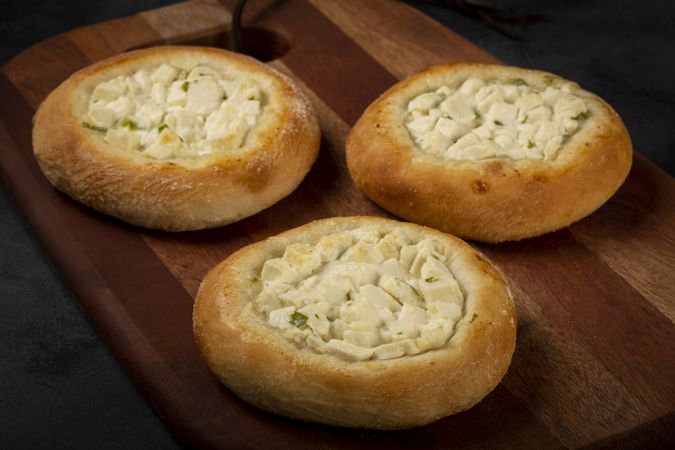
(487, 152)
(357, 322)
(176, 138)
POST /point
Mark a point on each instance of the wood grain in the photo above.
(400, 44)
(595, 359)
(549, 356)
(640, 215)
(187, 21)
(106, 39)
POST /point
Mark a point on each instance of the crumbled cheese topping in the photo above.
(362, 295)
(492, 119)
(168, 112)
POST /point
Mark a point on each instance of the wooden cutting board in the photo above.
(595, 358)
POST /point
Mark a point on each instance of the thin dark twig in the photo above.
(491, 16)
(236, 25)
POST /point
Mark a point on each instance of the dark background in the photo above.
(59, 385)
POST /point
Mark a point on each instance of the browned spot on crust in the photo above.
(479, 186)
(540, 178)
(486, 266)
(495, 168)
(257, 175)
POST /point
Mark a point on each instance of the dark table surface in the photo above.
(60, 387)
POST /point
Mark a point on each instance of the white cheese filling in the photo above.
(362, 295)
(168, 112)
(501, 118)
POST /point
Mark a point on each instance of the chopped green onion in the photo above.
(93, 127)
(162, 127)
(530, 144)
(185, 86)
(548, 80)
(254, 279)
(129, 124)
(299, 320)
(580, 116)
(525, 118)
(497, 122)
(431, 279)
(477, 114)
(519, 82)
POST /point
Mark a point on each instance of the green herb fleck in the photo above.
(548, 80)
(162, 127)
(530, 144)
(299, 320)
(254, 279)
(581, 116)
(431, 279)
(477, 114)
(525, 118)
(185, 86)
(497, 122)
(129, 124)
(474, 317)
(519, 82)
(93, 127)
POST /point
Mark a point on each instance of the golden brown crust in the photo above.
(259, 365)
(491, 200)
(175, 195)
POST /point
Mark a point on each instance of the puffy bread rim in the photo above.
(279, 90)
(235, 272)
(391, 108)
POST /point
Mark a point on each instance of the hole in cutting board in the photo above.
(260, 43)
